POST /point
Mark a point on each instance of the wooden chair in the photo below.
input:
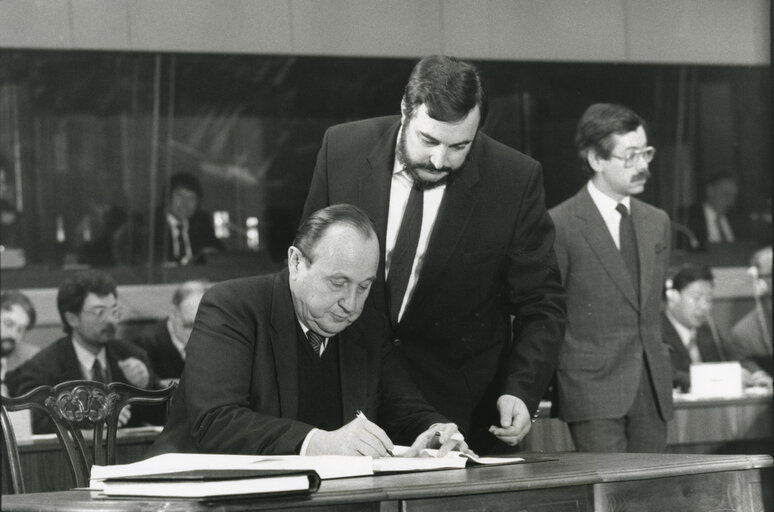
(71, 405)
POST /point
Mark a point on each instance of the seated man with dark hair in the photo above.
(294, 363)
(87, 303)
(686, 322)
(183, 230)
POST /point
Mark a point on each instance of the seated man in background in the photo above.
(711, 221)
(18, 317)
(750, 341)
(87, 303)
(165, 345)
(686, 323)
(285, 363)
(184, 232)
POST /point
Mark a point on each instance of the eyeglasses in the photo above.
(103, 313)
(699, 299)
(631, 157)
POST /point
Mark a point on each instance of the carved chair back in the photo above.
(72, 406)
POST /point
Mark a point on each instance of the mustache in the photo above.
(640, 176)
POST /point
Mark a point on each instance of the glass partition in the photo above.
(89, 141)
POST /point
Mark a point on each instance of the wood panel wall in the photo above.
(656, 31)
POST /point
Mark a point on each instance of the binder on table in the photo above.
(213, 483)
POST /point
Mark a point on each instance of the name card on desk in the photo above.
(716, 380)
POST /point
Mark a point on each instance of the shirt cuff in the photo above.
(305, 444)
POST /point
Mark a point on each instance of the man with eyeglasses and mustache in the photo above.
(88, 307)
(468, 276)
(614, 376)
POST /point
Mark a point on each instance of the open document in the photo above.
(209, 467)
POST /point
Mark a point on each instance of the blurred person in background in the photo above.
(18, 318)
(750, 341)
(184, 232)
(686, 323)
(712, 221)
(166, 343)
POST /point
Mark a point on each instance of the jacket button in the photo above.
(396, 342)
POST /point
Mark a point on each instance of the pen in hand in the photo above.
(359, 414)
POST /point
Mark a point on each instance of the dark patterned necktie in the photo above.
(315, 340)
(404, 251)
(97, 373)
(629, 246)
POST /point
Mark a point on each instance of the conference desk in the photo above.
(572, 482)
(718, 425)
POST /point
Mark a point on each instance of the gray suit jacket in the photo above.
(608, 328)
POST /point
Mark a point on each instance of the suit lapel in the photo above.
(352, 372)
(374, 197)
(71, 367)
(284, 347)
(646, 234)
(594, 230)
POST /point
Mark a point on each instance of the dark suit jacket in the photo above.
(58, 363)
(608, 327)
(239, 389)
(750, 341)
(489, 257)
(164, 357)
(697, 223)
(678, 353)
(200, 231)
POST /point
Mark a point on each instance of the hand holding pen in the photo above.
(358, 437)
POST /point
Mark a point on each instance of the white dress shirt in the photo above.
(606, 206)
(715, 224)
(687, 336)
(431, 202)
(183, 253)
(177, 342)
(86, 360)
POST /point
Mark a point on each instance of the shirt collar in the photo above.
(684, 332)
(177, 342)
(86, 358)
(174, 222)
(606, 204)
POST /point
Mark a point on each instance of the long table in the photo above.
(572, 482)
(719, 425)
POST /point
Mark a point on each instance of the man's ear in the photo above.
(594, 160)
(295, 259)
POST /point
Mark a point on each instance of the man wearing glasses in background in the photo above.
(87, 303)
(614, 375)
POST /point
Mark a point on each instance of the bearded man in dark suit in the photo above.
(468, 276)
